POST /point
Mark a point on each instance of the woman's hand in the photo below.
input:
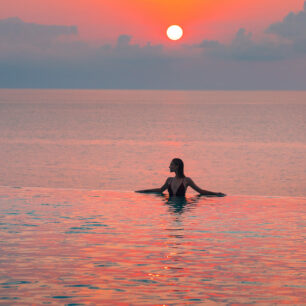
(220, 194)
(212, 194)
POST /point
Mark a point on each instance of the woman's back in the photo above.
(181, 190)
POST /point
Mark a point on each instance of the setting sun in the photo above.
(174, 32)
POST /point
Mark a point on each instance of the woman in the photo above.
(178, 185)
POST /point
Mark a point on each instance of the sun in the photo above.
(174, 32)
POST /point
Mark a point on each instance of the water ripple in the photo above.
(127, 248)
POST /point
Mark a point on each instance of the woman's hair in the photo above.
(180, 164)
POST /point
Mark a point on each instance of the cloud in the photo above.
(53, 56)
(244, 48)
(124, 49)
(15, 31)
(124, 40)
(25, 40)
(293, 28)
(20, 39)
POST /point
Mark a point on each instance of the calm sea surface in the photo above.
(251, 143)
(73, 232)
(87, 247)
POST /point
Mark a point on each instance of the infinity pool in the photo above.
(86, 247)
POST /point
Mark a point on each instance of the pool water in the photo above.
(86, 247)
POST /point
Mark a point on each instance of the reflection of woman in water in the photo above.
(178, 185)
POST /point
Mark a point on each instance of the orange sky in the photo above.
(146, 20)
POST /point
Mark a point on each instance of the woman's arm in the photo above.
(156, 190)
(202, 191)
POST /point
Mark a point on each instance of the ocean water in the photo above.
(73, 232)
(92, 247)
(242, 143)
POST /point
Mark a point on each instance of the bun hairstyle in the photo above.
(178, 162)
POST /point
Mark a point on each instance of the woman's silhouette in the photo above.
(178, 185)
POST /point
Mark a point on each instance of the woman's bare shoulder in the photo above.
(168, 180)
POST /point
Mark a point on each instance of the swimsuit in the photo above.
(180, 191)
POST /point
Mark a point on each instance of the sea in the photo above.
(242, 143)
(74, 232)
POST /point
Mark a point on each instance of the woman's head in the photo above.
(177, 166)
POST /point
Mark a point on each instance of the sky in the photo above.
(122, 44)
